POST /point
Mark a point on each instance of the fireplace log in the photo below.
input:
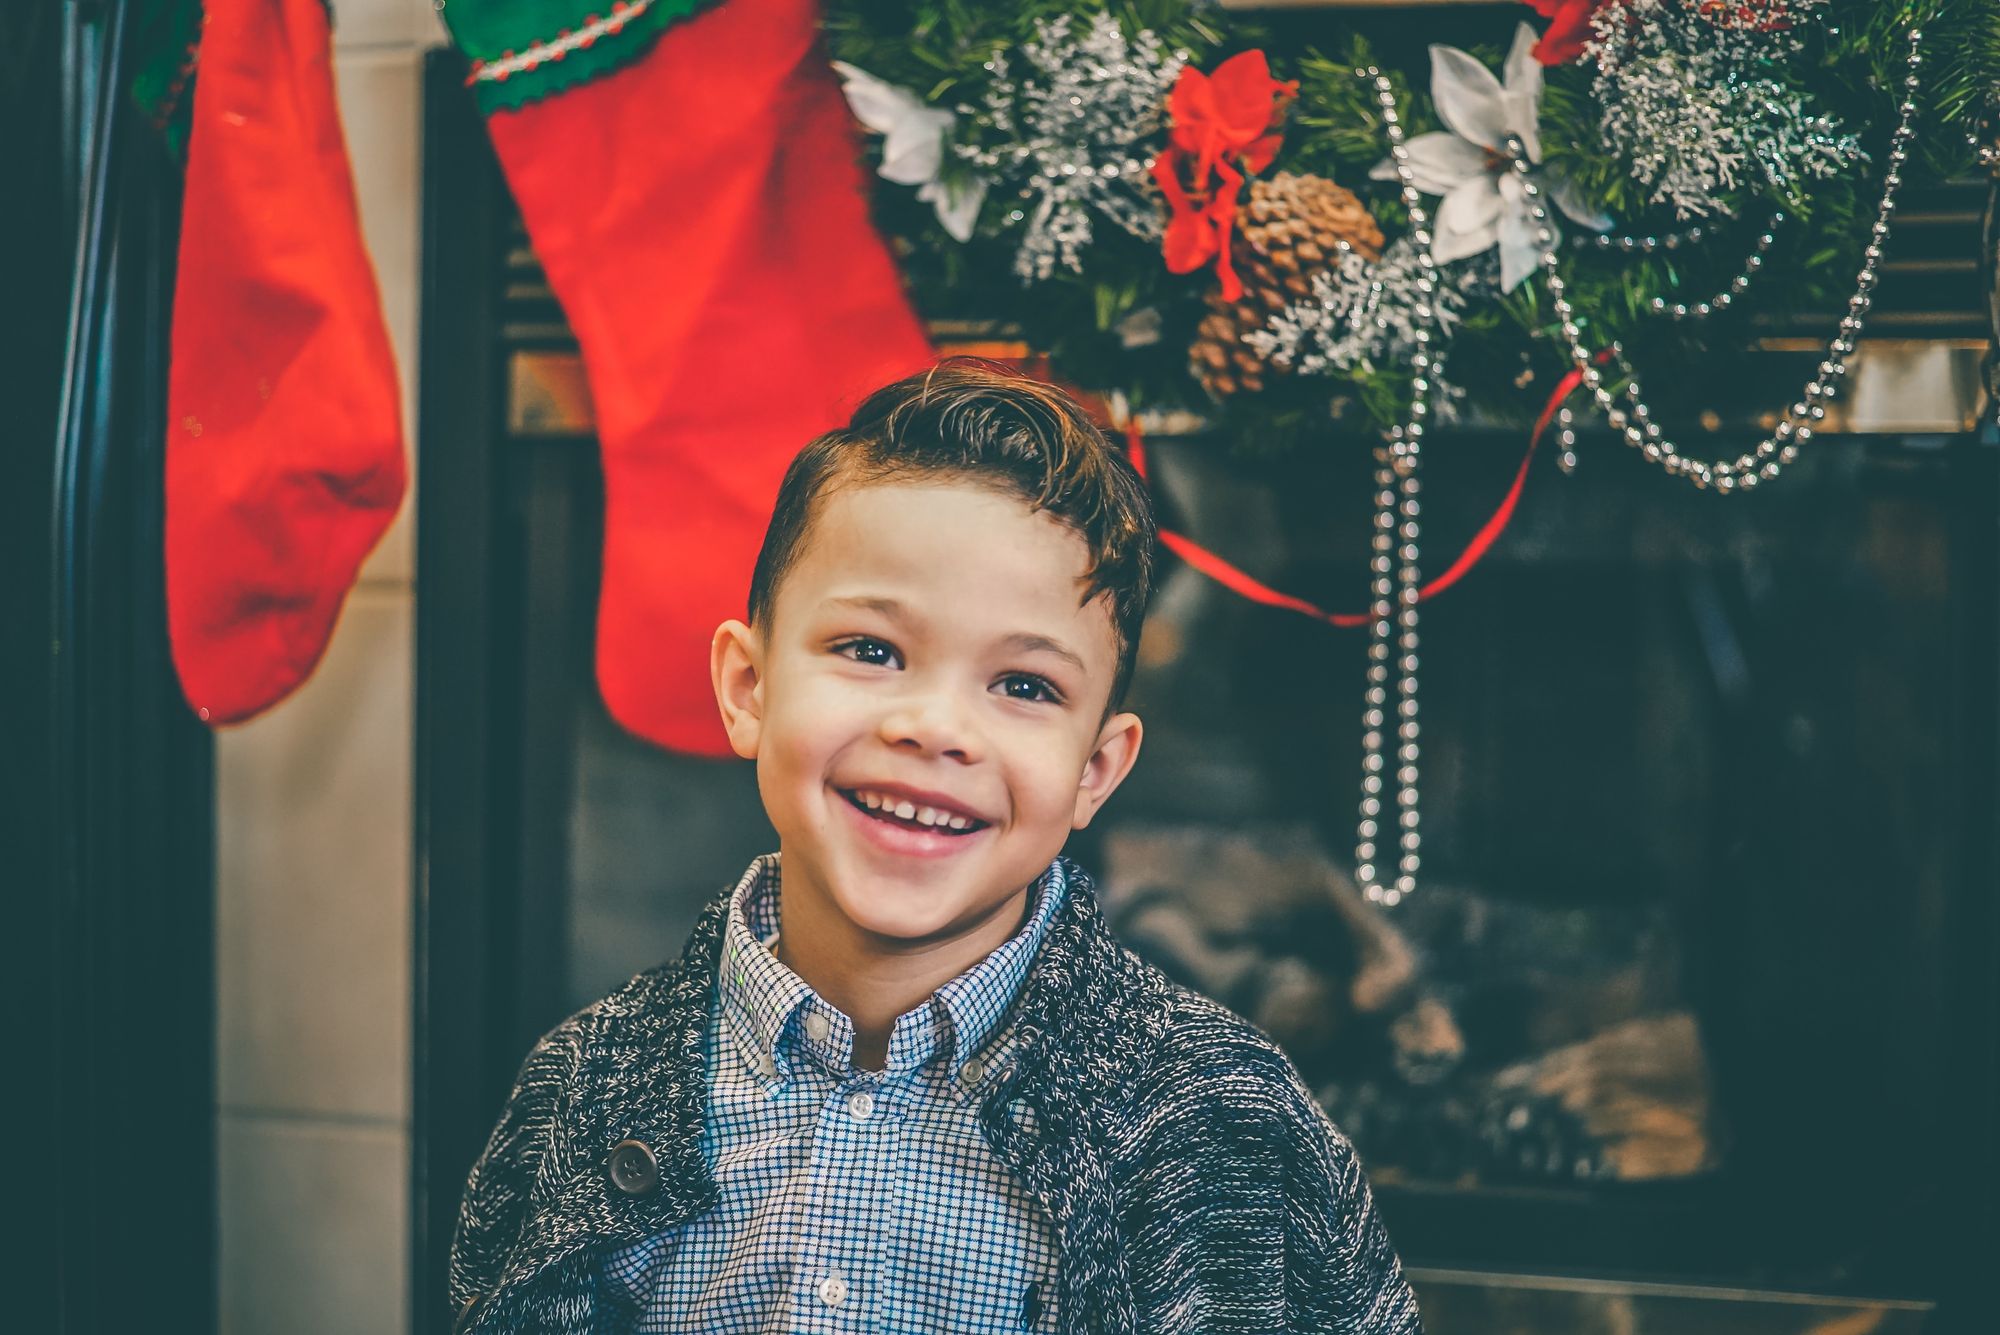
(1639, 1088)
(1264, 923)
(1463, 1036)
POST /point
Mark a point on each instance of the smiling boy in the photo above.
(902, 1077)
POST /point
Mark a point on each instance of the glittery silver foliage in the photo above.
(1361, 316)
(1697, 108)
(1068, 127)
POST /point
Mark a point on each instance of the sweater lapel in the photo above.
(640, 1076)
(1084, 1028)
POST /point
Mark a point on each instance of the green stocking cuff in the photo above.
(522, 50)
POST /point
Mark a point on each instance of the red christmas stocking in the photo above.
(701, 216)
(284, 456)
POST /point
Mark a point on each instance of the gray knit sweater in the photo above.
(1192, 1183)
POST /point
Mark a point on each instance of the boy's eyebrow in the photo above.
(1025, 641)
(888, 607)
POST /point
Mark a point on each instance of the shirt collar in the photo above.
(773, 1014)
(757, 994)
(981, 997)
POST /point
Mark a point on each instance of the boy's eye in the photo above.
(1015, 685)
(863, 649)
(1037, 688)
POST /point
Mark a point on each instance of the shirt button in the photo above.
(862, 1105)
(765, 1066)
(971, 1071)
(833, 1290)
(817, 1028)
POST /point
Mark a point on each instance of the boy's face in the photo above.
(928, 649)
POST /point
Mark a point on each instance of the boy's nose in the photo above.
(933, 723)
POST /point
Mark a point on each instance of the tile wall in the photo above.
(313, 813)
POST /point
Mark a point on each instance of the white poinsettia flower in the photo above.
(912, 146)
(1467, 164)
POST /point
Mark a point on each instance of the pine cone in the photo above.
(1287, 229)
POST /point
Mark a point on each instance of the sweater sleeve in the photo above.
(1341, 1271)
(495, 1205)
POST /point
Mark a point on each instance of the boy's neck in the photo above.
(872, 985)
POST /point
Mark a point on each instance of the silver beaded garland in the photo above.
(1634, 418)
(1722, 300)
(1392, 646)
(1566, 439)
(1635, 243)
(1392, 643)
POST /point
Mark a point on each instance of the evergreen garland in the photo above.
(1097, 325)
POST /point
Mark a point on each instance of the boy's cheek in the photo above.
(799, 740)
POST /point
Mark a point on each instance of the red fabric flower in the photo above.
(1568, 31)
(1221, 126)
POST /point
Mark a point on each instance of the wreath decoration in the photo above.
(1163, 203)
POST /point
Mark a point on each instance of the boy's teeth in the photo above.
(908, 810)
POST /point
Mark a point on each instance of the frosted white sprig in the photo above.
(1362, 316)
(1068, 126)
(1696, 109)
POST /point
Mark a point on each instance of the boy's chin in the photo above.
(913, 914)
(905, 915)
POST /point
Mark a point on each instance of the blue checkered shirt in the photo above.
(850, 1200)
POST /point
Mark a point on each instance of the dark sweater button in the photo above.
(634, 1171)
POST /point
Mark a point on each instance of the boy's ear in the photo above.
(1117, 748)
(736, 667)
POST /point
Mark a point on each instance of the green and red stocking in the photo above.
(691, 188)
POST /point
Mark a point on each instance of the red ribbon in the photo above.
(1227, 575)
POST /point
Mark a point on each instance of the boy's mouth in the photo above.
(902, 812)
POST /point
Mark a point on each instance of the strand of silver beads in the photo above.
(1674, 310)
(1701, 310)
(1395, 586)
(1647, 243)
(1781, 447)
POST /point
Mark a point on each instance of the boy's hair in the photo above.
(973, 421)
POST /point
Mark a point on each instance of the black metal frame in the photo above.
(107, 795)
(488, 905)
(455, 1080)
(489, 924)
